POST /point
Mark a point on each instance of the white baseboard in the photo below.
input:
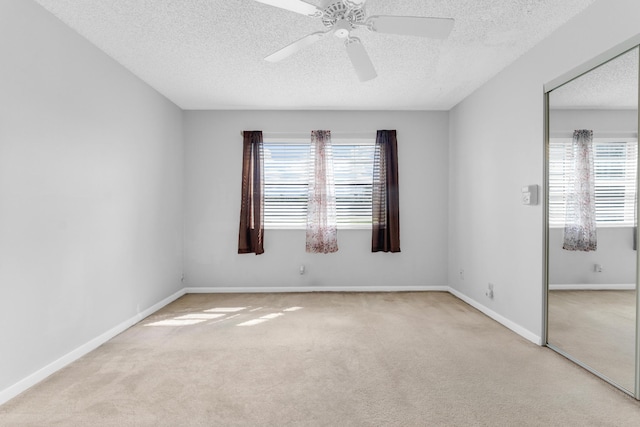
(41, 374)
(594, 287)
(282, 289)
(523, 332)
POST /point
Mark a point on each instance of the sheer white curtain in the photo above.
(580, 223)
(322, 229)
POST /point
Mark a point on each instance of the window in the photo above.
(286, 170)
(614, 162)
(285, 184)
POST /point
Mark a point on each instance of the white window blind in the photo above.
(615, 168)
(286, 174)
(286, 168)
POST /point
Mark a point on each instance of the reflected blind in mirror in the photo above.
(615, 180)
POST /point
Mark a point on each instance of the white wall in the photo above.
(90, 192)
(615, 254)
(213, 180)
(496, 146)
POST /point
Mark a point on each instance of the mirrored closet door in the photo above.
(591, 225)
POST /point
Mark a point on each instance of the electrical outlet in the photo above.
(489, 292)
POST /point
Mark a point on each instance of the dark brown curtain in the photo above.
(251, 234)
(386, 205)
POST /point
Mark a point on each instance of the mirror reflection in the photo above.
(592, 167)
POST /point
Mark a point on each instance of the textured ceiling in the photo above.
(613, 85)
(208, 54)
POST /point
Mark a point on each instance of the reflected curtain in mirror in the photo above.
(580, 214)
(322, 227)
(250, 239)
(386, 202)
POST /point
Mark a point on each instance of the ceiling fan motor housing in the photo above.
(342, 18)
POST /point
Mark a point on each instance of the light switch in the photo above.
(529, 195)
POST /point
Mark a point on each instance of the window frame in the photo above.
(335, 141)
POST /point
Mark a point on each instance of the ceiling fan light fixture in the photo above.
(342, 28)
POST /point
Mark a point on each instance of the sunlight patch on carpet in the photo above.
(225, 309)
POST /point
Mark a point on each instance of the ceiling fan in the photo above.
(344, 16)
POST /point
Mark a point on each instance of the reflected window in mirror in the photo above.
(615, 166)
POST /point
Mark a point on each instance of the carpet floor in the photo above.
(321, 359)
(598, 328)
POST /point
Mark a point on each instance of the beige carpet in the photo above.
(329, 359)
(598, 328)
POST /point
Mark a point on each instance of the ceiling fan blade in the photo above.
(438, 28)
(296, 46)
(297, 6)
(354, 3)
(360, 60)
